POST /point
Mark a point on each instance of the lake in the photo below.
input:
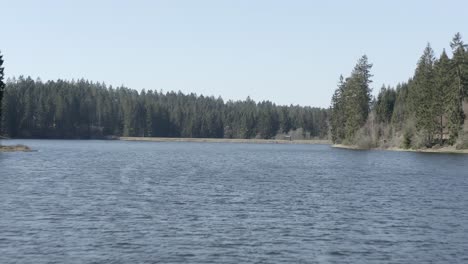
(146, 202)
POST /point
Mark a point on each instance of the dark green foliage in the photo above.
(385, 105)
(268, 120)
(81, 109)
(401, 110)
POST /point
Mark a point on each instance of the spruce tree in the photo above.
(357, 97)
(400, 111)
(443, 92)
(460, 63)
(337, 118)
(423, 96)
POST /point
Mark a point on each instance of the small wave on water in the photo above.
(175, 202)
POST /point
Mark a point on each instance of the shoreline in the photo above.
(444, 150)
(227, 140)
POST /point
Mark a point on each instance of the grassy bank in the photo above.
(15, 148)
(225, 140)
(450, 149)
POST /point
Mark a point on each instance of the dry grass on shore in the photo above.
(14, 148)
(225, 140)
(448, 150)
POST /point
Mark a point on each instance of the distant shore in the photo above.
(447, 150)
(227, 140)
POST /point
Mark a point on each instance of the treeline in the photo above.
(425, 111)
(2, 87)
(83, 109)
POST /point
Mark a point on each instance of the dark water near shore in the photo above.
(134, 202)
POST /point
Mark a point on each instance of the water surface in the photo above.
(146, 202)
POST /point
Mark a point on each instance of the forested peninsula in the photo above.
(428, 111)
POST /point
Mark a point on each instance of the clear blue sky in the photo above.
(289, 52)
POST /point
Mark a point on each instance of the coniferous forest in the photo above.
(83, 109)
(423, 112)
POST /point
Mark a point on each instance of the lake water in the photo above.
(135, 202)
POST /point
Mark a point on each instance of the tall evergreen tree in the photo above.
(423, 95)
(460, 63)
(337, 118)
(445, 95)
(351, 102)
(357, 97)
(460, 88)
(443, 82)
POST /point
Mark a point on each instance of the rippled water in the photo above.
(134, 202)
